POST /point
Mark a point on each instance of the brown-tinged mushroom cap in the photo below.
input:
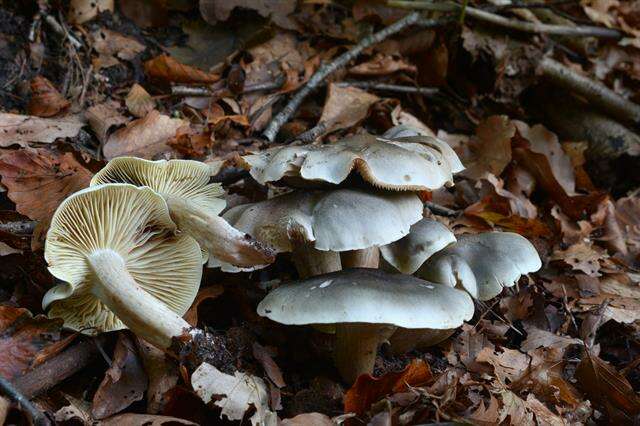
(425, 238)
(336, 220)
(487, 261)
(114, 245)
(409, 164)
(194, 205)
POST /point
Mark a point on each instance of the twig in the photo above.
(251, 88)
(529, 27)
(191, 91)
(60, 30)
(313, 133)
(329, 68)
(36, 416)
(597, 93)
(441, 210)
(372, 85)
(55, 370)
(18, 228)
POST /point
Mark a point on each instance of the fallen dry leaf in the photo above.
(277, 10)
(486, 415)
(130, 419)
(167, 69)
(490, 150)
(39, 179)
(81, 11)
(206, 293)
(103, 118)
(162, 373)
(265, 357)
(240, 392)
(111, 43)
(515, 409)
(145, 137)
(45, 100)
(22, 129)
(308, 419)
(367, 389)
(509, 365)
(382, 64)
(22, 338)
(345, 107)
(583, 257)
(537, 338)
(139, 101)
(124, 382)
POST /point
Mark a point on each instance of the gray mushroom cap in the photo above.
(368, 296)
(336, 220)
(402, 131)
(409, 164)
(425, 238)
(490, 261)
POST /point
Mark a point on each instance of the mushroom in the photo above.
(425, 238)
(484, 263)
(366, 306)
(317, 225)
(413, 163)
(194, 205)
(403, 131)
(122, 263)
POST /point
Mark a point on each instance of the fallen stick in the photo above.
(55, 370)
(329, 68)
(441, 210)
(372, 85)
(36, 416)
(513, 24)
(595, 92)
(18, 228)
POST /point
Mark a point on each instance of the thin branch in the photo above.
(205, 91)
(528, 27)
(18, 228)
(372, 85)
(60, 30)
(36, 416)
(441, 210)
(313, 133)
(329, 68)
(597, 93)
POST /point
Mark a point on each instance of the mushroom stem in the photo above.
(365, 258)
(146, 316)
(406, 339)
(216, 236)
(310, 261)
(356, 348)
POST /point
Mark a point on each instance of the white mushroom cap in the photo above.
(174, 178)
(368, 296)
(132, 222)
(336, 220)
(494, 259)
(402, 131)
(425, 238)
(410, 164)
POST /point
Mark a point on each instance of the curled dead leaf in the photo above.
(139, 101)
(45, 101)
(345, 107)
(167, 69)
(490, 150)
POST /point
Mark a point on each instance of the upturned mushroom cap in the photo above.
(409, 164)
(174, 178)
(133, 222)
(490, 261)
(368, 296)
(425, 238)
(336, 220)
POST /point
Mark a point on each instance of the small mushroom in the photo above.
(317, 225)
(425, 238)
(413, 163)
(366, 306)
(122, 263)
(193, 202)
(484, 263)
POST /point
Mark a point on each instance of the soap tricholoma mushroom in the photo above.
(317, 225)
(122, 263)
(194, 205)
(366, 306)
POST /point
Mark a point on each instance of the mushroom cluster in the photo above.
(351, 201)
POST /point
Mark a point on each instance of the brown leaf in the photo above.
(45, 101)
(111, 43)
(167, 69)
(486, 415)
(139, 101)
(382, 64)
(537, 338)
(583, 257)
(130, 419)
(103, 118)
(124, 382)
(515, 408)
(265, 357)
(509, 365)
(277, 10)
(81, 11)
(606, 387)
(345, 107)
(145, 137)
(491, 148)
(211, 292)
(39, 179)
(308, 419)
(22, 338)
(162, 374)
(367, 389)
(21, 129)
